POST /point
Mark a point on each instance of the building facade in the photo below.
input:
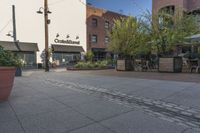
(188, 6)
(67, 28)
(99, 23)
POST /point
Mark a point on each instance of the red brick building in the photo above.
(178, 7)
(187, 5)
(99, 23)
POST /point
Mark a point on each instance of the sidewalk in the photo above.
(70, 102)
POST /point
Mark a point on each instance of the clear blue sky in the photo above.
(129, 7)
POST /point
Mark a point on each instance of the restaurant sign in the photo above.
(67, 41)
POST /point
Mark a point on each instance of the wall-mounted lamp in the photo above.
(10, 34)
(57, 35)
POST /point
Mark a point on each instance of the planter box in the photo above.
(173, 65)
(125, 65)
(7, 75)
(87, 69)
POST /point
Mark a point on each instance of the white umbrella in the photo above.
(196, 36)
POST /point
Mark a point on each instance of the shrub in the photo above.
(89, 56)
(91, 65)
(9, 59)
(103, 64)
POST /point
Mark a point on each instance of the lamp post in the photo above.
(46, 22)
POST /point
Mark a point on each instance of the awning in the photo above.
(24, 46)
(67, 48)
(98, 49)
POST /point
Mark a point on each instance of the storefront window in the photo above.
(66, 58)
(28, 59)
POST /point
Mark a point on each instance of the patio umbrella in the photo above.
(194, 37)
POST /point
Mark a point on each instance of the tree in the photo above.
(128, 37)
(42, 55)
(89, 56)
(167, 30)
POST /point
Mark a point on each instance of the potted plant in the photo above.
(8, 64)
(18, 68)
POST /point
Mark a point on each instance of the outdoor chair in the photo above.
(138, 65)
(191, 65)
(195, 65)
(145, 65)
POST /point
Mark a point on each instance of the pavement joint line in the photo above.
(93, 120)
(168, 109)
(21, 125)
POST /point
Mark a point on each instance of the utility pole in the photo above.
(14, 28)
(46, 36)
(14, 23)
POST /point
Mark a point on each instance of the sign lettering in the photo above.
(67, 41)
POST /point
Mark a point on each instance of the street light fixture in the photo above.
(10, 34)
(41, 12)
(46, 11)
(16, 42)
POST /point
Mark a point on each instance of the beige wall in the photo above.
(68, 17)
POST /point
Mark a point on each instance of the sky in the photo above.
(128, 7)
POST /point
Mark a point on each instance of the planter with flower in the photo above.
(8, 65)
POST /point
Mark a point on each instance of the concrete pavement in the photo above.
(72, 102)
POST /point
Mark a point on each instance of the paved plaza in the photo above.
(102, 102)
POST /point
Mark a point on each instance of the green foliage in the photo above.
(102, 64)
(199, 50)
(128, 37)
(84, 65)
(166, 30)
(8, 59)
(91, 65)
(89, 56)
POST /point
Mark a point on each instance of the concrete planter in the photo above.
(125, 65)
(7, 75)
(88, 69)
(173, 65)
